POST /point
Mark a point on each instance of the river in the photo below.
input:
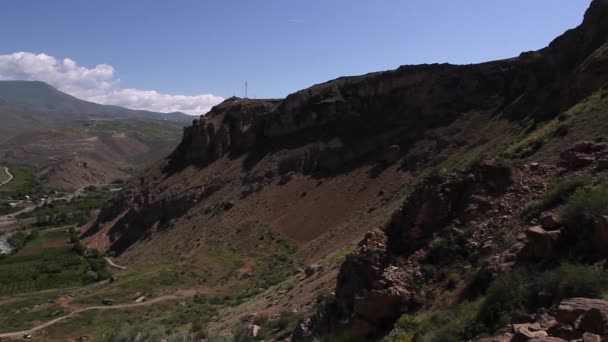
(5, 247)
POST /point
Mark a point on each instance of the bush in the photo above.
(507, 295)
(558, 194)
(573, 280)
(578, 217)
(19, 239)
(584, 206)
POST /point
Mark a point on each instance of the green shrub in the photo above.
(508, 294)
(578, 216)
(573, 280)
(584, 206)
(19, 239)
(558, 194)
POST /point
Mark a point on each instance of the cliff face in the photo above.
(364, 114)
(348, 122)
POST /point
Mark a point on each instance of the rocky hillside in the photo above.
(441, 163)
(75, 143)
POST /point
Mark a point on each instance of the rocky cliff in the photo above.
(414, 155)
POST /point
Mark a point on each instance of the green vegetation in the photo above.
(20, 238)
(25, 182)
(573, 280)
(270, 271)
(558, 194)
(48, 261)
(507, 295)
(20, 313)
(579, 214)
(76, 211)
(438, 325)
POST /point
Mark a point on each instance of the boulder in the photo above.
(526, 332)
(595, 321)
(548, 339)
(549, 221)
(564, 331)
(540, 243)
(311, 270)
(576, 160)
(570, 310)
(580, 147)
(303, 331)
(587, 337)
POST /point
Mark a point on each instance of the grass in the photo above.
(437, 325)
(558, 194)
(25, 182)
(21, 313)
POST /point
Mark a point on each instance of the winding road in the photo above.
(10, 177)
(18, 334)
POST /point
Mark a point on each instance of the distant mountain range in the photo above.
(34, 104)
(59, 134)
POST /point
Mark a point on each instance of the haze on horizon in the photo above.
(189, 55)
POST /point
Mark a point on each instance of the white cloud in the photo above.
(98, 84)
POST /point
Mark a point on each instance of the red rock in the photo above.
(587, 337)
(549, 221)
(541, 243)
(569, 310)
(526, 332)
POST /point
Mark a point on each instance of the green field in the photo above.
(47, 262)
(25, 182)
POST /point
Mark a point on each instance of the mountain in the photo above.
(440, 202)
(59, 134)
(32, 103)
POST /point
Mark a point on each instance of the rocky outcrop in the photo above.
(229, 128)
(429, 208)
(582, 153)
(575, 319)
(540, 244)
(372, 290)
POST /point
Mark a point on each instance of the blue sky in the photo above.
(191, 47)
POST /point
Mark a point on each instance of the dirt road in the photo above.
(19, 334)
(10, 177)
(111, 263)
